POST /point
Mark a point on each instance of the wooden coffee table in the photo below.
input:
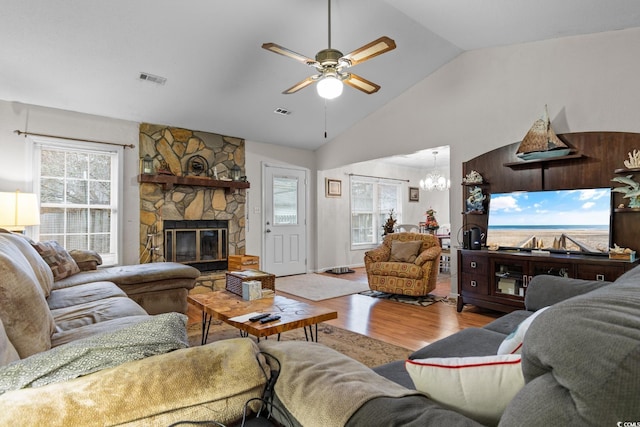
(225, 306)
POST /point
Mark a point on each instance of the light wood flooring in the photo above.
(396, 323)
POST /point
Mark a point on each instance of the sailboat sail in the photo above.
(540, 137)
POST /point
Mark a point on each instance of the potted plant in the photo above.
(389, 226)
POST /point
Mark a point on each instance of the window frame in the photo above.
(377, 213)
(38, 143)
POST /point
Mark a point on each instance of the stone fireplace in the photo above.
(195, 223)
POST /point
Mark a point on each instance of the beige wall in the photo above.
(481, 100)
(489, 98)
(16, 160)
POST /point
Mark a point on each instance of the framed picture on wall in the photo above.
(414, 194)
(333, 187)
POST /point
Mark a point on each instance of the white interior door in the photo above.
(284, 248)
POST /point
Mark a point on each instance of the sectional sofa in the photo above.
(88, 354)
(572, 358)
(85, 353)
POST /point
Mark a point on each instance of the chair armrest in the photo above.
(431, 254)
(86, 259)
(379, 254)
(545, 290)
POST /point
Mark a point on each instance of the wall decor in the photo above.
(414, 194)
(333, 187)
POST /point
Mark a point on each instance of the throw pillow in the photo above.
(61, 263)
(512, 344)
(478, 387)
(405, 251)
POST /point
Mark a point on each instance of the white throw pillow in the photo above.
(512, 344)
(478, 387)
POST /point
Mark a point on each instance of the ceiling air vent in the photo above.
(282, 111)
(152, 78)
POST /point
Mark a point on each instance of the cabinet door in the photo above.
(509, 278)
(599, 272)
(473, 273)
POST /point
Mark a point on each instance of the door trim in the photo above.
(263, 210)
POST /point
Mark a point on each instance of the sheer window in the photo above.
(371, 201)
(78, 190)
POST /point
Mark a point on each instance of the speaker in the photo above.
(466, 240)
(476, 238)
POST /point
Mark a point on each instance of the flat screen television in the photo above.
(563, 221)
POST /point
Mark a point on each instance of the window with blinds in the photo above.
(78, 191)
(371, 201)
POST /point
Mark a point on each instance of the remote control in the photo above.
(270, 319)
(259, 316)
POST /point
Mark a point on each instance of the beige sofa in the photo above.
(87, 354)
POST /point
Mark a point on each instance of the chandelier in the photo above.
(434, 179)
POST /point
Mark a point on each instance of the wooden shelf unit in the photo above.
(526, 163)
(169, 181)
(598, 155)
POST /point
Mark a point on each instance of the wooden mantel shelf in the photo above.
(168, 181)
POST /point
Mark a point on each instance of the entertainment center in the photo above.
(497, 279)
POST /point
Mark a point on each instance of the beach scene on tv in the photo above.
(576, 221)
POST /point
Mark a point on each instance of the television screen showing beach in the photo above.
(562, 220)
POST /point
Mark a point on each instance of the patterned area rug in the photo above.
(422, 301)
(366, 350)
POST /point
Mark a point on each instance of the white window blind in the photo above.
(371, 201)
(78, 186)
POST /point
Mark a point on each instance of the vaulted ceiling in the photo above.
(87, 55)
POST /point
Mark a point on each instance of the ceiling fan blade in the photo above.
(300, 85)
(371, 50)
(289, 53)
(362, 84)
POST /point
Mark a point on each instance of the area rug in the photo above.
(422, 301)
(368, 351)
(317, 287)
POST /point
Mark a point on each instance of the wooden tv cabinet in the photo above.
(596, 158)
(498, 280)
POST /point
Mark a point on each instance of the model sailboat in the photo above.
(541, 141)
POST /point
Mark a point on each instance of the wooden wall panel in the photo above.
(601, 154)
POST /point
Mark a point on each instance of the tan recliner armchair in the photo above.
(395, 268)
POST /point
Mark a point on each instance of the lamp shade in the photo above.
(18, 210)
(329, 87)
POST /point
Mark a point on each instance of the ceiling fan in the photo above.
(332, 66)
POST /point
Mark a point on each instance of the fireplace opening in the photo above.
(203, 244)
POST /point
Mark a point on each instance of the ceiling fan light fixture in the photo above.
(329, 86)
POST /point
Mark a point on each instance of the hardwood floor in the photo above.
(401, 324)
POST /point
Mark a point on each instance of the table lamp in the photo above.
(18, 210)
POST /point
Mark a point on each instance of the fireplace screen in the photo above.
(202, 244)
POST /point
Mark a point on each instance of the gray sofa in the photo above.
(580, 362)
(87, 354)
(159, 287)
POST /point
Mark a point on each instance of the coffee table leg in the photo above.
(206, 324)
(311, 335)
